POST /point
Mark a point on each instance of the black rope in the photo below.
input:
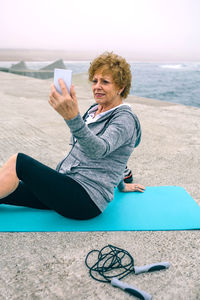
(110, 262)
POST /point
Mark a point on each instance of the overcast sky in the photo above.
(148, 28)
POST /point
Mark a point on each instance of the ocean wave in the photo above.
(180, 66)
(168, 94)
(193, 66)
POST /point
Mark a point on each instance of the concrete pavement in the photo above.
(51, 265)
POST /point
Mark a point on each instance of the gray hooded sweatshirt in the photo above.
(100, 151)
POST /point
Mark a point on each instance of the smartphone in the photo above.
(66, 76)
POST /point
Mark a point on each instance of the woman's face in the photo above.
(104, 89)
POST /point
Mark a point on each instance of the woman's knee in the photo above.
(13, 159)
(10, 165)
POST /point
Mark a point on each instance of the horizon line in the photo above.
(86, 55)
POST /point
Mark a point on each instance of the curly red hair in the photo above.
(115, 65)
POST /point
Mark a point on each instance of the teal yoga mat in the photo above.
(158, 208)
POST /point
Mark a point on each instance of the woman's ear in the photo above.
(120, 91)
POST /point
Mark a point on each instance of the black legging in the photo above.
(44, 188)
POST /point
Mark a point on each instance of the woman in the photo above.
(102, 141)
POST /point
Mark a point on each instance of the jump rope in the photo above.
(113, 263)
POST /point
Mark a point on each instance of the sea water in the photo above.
(173, 82)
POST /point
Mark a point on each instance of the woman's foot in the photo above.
(128, 176)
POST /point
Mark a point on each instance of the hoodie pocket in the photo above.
(69, 164)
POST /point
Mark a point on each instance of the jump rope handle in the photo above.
(151, 268)
(130, 289)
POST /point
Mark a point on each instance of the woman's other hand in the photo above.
(133, 187)
(66, 104)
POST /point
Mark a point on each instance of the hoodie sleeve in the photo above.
(121, 185)
(120, 129)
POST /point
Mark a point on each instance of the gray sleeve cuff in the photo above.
(121, 186)
(76, 123)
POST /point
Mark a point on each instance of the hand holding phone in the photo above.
(66, 76)
(66, 105)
